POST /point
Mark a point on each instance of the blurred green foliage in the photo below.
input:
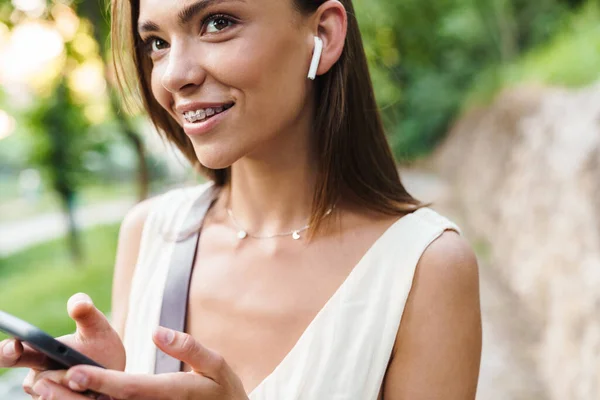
(570, 58)
(54, 129)
(427, 57)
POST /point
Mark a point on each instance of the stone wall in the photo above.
(525, 175)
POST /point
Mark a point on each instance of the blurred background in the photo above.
(492, 108)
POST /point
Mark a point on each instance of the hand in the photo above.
(19, 355)
(94, 337)
(210, 379)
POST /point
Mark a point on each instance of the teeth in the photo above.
(199, 115)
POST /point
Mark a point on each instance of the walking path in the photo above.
(18, 235)
(507, 371)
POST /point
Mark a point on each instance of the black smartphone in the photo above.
(59, 354)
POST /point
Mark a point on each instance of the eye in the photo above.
(158, 44)
(153, 45)
(217, 23)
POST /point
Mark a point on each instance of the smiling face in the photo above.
(231, 72)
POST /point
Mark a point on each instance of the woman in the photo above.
(317, 275)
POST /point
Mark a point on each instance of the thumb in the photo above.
(89, 320)
(185, 348)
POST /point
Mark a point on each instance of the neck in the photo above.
(272, 193)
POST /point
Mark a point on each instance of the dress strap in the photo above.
(177, 287)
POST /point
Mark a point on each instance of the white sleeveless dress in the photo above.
(344, 352)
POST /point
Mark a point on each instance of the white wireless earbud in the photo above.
(314, 65)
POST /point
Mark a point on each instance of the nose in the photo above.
(183, 70)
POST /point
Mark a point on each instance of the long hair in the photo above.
(355, 160)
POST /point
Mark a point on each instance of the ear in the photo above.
(331, 25)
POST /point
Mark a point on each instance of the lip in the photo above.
(204, 127)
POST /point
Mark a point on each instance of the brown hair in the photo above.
(355, 160)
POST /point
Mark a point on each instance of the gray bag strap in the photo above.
(177, 287)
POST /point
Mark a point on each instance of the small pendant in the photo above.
(242, 235)
(296, 235)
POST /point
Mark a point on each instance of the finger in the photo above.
(185, 348)
(89, 320)
(13, 354)
(54, 376)
(10, 352)
(121, 385)
(49, 390)
(28, 383)
(34, 376)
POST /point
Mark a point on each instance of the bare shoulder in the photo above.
(137, 215)
(449, 264)
(132, 227)
(438, 347)
(128, 248)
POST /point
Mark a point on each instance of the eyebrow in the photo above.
(185, 15)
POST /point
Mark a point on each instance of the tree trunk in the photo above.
(143, 173)
(74, 238)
